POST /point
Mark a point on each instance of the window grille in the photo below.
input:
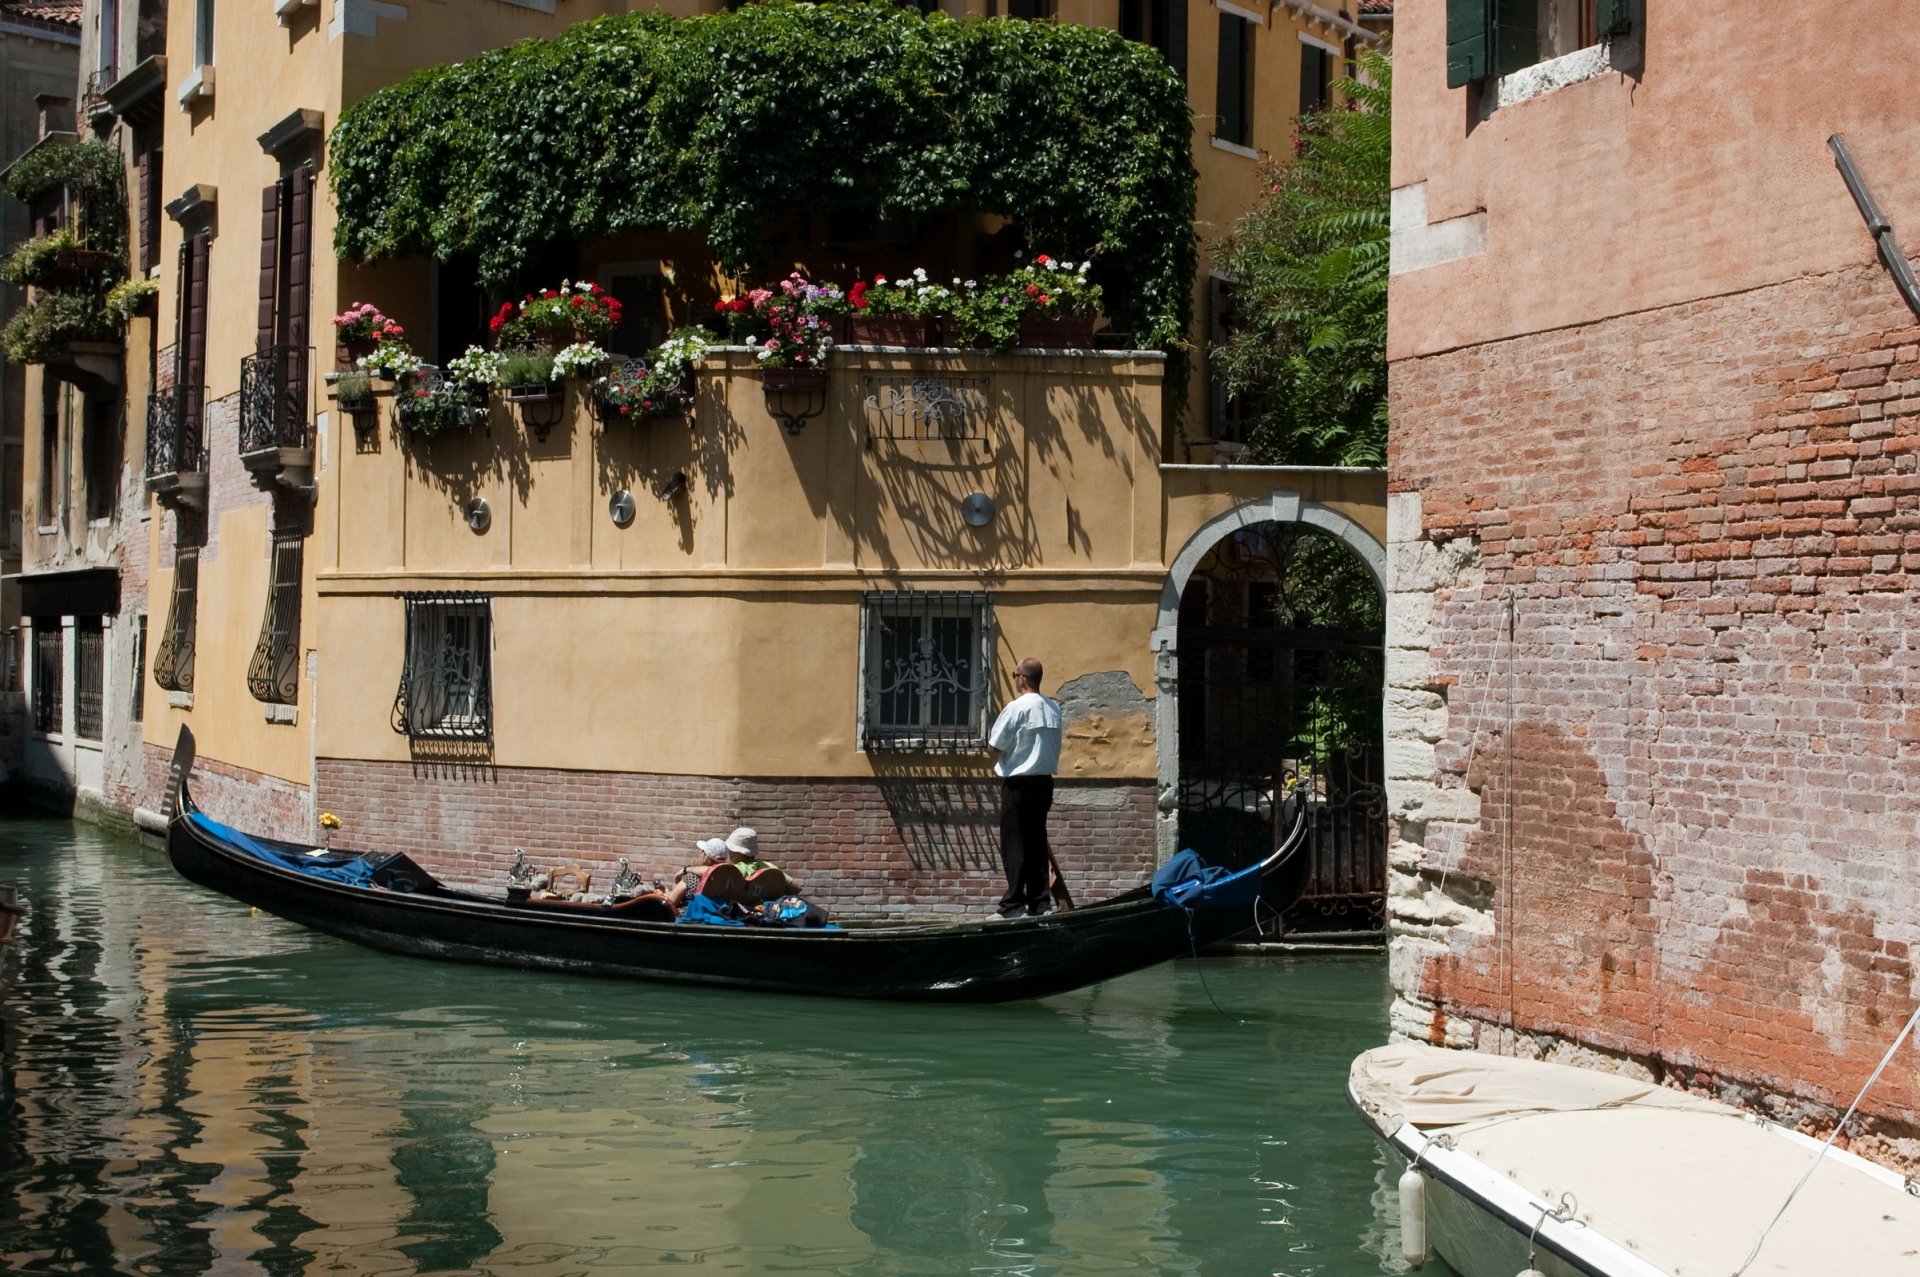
(926, 670)
(273, 675)
(48, 666)
(139, 709)
(89, 676)
(173, 663)
(446, 686)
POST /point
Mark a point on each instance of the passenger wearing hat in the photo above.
(713, 851)
(743, 847)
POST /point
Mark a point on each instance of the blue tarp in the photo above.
(355, 873)
(710, 911)
(1188, 882)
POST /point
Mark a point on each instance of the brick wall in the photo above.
(1655, 596)
(236, 796)
(895, 846)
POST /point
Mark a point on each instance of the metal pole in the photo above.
(1877, 224)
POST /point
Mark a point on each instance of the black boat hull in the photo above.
(986, 961)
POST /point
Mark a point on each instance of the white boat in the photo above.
(1525, 1165)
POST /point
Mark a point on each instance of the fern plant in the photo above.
(1310, 335)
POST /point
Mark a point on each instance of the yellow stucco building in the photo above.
(601, 640)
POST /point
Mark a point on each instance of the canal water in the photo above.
(189, 1087)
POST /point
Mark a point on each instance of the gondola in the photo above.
(397, 907)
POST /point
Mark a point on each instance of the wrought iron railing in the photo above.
(173, 660)
(89, 677)
(273, 399)
(273, 675)
(173, 432)
(49, 661)
(446, 686)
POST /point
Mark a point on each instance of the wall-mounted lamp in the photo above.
(674, 488)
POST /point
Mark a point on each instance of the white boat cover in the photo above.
(1683, 1183)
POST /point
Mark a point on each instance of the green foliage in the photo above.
(42, 328)
(728, 122)
(354, 391)
(79, 166)
(31, 264)
(526, 368)
(1310, 325)
(430, 406)
(126, 298)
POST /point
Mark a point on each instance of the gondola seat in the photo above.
(726, 884)
(770, 883)
(648, 907)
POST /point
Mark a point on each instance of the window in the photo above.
(49, 661)
(138, 710)
(1230, 417)
(1233, 98)
(203, 32)
(109, 41)
(926, 670)
(100, 456)
(150, 30)
(274, 674)
(49, 513)
(643, 307)
(89, 676)
(446, 686)
(1160, 23)
(1488, 38)
(1316, 77)
(173, 663)
(147, 201)
(1035, 10)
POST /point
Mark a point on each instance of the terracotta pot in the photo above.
(891, 330)
(347, 352)
(777, 381)
(1066, 332)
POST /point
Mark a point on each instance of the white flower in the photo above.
(972, 284)
(920, 273)
(580, 358)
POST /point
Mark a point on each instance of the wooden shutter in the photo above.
(1610, 17)
(193, 361)
(272, 202)
(148, 201)
(1469, 41)
(294, 290)
(1230, 97)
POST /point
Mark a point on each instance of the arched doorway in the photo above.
(1278, 668)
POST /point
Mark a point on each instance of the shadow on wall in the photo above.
(946, 821)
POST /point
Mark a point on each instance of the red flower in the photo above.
(1045, 300)
(857, 295)
(1033, 290)
(1041, 260)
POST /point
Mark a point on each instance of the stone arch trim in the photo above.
(1281, 507)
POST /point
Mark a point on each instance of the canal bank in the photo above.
(223, 1091)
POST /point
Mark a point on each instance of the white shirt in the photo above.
(1027, 734)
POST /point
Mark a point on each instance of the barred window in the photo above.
(139, 708)
(49, 665)
(273, 675)
(446, 686)
(926, 668)
(89, 676)
(173, 663)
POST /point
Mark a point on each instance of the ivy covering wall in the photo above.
(730, 121)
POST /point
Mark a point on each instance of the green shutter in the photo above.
(1469, 41)
(1610, 17)
(1516, 35)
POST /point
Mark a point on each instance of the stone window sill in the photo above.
(1234, 148)
(196, 88)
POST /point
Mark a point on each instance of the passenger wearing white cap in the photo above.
(713, 852)
(743, 847)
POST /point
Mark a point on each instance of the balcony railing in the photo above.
(273, 399)
(173, 432)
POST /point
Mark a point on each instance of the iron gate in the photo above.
(1281, 667)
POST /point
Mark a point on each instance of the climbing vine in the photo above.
(728, 122)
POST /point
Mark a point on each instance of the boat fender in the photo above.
(1533, 1272)
(1413, 1217)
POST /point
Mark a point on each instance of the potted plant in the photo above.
(556, 318)
(354, 392)
(435, 401)
(392, 359)
(359, 330)
(904, 311)
(657, 386)
(1061, 304)
(529, 377)
(132, 297)
(796, 346)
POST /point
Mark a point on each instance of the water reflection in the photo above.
(190, 1087)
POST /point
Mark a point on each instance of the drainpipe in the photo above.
(1877, 224)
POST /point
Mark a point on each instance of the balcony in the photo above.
(276, 430)
(176, 459)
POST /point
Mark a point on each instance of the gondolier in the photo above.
(1027, 734)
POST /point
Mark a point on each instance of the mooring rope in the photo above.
(1815, 1164)
(1193, 944)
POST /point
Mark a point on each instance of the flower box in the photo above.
(539, 392)
(348, 354)
(892, 330)
(783, 381)
(1063, 332)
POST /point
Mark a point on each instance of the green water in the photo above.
(189, 1087)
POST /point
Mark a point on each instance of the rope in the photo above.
(1815, 1164)
(1193, 945)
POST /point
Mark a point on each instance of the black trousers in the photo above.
(1024, 804)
